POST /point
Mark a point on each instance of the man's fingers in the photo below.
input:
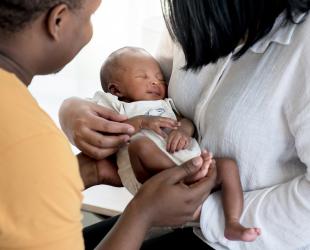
(102, 141)
(109, 114)
(95, 152)
(201, 189)
(179, 173)
(106, 126)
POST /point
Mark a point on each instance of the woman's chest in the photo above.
(189, 88)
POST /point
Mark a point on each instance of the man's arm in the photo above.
(164, 200)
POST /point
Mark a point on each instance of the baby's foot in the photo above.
(235, 231)
(206, 159)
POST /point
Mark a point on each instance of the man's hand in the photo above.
(164, 200)
(207, 163)
(97, 131)
(94, 172)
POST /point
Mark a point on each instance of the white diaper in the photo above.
(125, 170)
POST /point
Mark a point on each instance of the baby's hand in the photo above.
(177, 140)
(156, 123)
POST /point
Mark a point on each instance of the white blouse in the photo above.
(255, 110)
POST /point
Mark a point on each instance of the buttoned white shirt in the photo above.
(255, 110)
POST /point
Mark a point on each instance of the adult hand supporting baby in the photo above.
(184, 199)
(163, 200)
(95, 130)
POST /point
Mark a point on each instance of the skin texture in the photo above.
(59, 34)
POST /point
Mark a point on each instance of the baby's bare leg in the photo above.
(232, 198)
(147, 159)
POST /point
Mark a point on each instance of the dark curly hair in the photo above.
(210, 29)
(16, 14)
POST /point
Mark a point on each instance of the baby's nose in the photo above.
(154, 82)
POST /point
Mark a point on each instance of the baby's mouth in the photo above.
(157, 93)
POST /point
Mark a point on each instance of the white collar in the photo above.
(280, 33)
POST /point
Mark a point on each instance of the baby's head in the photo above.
(133, 74)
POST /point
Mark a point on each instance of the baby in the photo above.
(134, 85)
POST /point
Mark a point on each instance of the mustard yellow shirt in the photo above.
(40, 185)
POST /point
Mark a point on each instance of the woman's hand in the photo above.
(95, 130)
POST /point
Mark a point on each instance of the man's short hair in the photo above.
(16, 14)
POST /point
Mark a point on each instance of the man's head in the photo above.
(133, 74)
(16, 14)
(45, 35)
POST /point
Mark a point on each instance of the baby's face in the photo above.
(141, 78)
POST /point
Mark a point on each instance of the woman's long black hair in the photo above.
(210, 29)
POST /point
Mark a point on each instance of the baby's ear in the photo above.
(114, 89)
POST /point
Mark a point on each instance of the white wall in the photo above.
(117, 23)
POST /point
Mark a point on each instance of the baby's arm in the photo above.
(180, 138)
(155, 123)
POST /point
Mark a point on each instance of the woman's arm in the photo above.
(164, 200)
(281, 211)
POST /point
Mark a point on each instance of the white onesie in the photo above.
(164, 108)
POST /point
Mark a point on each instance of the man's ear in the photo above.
(114, 89)
(56, 19)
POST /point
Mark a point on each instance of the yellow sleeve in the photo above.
(40, 190)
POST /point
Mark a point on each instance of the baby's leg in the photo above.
(147, 159)
(232, 198)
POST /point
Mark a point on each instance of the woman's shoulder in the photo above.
(302, 34)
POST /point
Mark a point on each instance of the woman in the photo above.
(40, 184)
(240, 70)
